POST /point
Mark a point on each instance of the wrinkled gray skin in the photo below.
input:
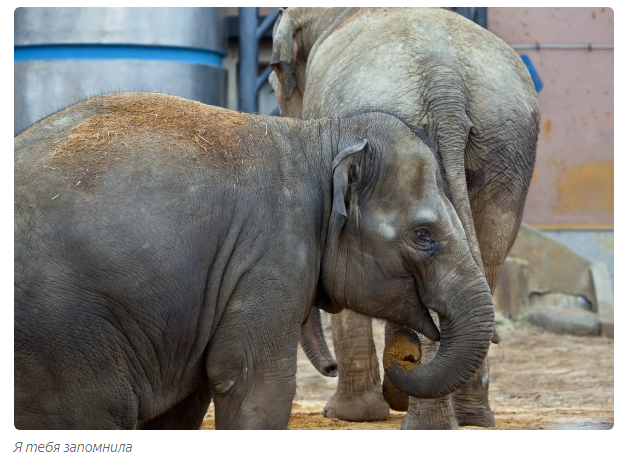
(474, 97)
(152, 275)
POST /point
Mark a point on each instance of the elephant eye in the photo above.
(422, 234)
(421, 238)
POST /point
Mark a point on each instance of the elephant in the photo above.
(167, 252)
(472, 94)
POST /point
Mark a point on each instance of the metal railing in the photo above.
(538, 46)
(249, 35)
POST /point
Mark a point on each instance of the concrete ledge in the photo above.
(539, 265)
(604, 297)
(512, 291)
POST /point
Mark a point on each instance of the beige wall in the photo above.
(572, 186)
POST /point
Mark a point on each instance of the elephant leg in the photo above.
(359, 394)
(430, 414)
(471, 401)
(422, 414)
(78, 410)
(251, 361)
(497, 195)
(67, 379)
(186, 415)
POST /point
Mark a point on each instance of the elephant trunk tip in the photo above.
(403, 349)
(463, 346)
(330, 369)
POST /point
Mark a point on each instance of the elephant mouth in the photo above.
(429, 328)
(419, 315)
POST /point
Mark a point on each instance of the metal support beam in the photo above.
(268, 23)
(476, 14)
(249, 35)
(248, 59)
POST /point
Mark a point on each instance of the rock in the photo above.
(512, 290)
(552, 267)
(571, 321)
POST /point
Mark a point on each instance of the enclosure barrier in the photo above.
(63, 55)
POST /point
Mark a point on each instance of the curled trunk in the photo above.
(466, 327)
(315, 346)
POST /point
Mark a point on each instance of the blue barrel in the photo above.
(64, 55)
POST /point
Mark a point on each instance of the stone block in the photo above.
(569, 321)
(553, 267)
(512, 290)
(604, 297)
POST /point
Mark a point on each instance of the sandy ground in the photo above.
(538, 381)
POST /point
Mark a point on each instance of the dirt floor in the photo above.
(538, 381)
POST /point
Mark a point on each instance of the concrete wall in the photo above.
(572, 186)
(571, 194)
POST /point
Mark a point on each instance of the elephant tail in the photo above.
(448, 124)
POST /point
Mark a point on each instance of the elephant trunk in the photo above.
(466, 327)
(315, 347)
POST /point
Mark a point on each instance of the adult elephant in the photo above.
(167, 251)
(472, 94)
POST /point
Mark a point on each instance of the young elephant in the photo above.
(474, 97)
(168, 251)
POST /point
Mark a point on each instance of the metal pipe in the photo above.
(248, 59)
(481, 17)
(264, 76)
(268, 22)
(561, 47)
(476, 14)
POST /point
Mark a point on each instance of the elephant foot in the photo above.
(360, 407)
(474, 414)
(430, 414)
(397, 400)
(471, 401)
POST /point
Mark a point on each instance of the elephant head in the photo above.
(285, 52)
(296, 34)
(396, 248)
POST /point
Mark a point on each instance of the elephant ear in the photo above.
(283, 56)
(346, 173)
